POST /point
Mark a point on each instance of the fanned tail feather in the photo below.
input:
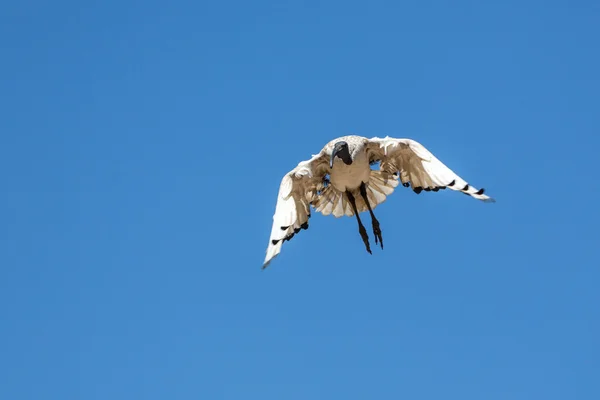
(331, 201)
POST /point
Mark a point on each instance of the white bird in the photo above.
(339, 181)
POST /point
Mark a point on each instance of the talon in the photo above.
(365, 238)
(377, 233)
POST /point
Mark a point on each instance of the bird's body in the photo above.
(348, 177)
(339, 180)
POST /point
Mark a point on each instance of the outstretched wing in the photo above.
(417, 167)
(298, 189)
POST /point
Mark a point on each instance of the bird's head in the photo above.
(340, 150)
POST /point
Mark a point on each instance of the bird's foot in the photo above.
(365, 238)
(377, 233)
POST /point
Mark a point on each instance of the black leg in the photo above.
(376, 229)
(361, 227)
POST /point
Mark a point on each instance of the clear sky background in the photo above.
(142, 144)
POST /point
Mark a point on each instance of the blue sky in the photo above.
(142, 145)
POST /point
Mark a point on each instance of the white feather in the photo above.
(422, 169)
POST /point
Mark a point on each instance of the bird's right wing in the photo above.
(298, 189)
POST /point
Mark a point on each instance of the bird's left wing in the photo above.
(417, 167)
(298, 189)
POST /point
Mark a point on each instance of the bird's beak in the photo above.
(333, 155)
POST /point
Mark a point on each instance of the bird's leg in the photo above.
(361, 227)
(376, 229)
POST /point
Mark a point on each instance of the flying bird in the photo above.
(340, 180)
